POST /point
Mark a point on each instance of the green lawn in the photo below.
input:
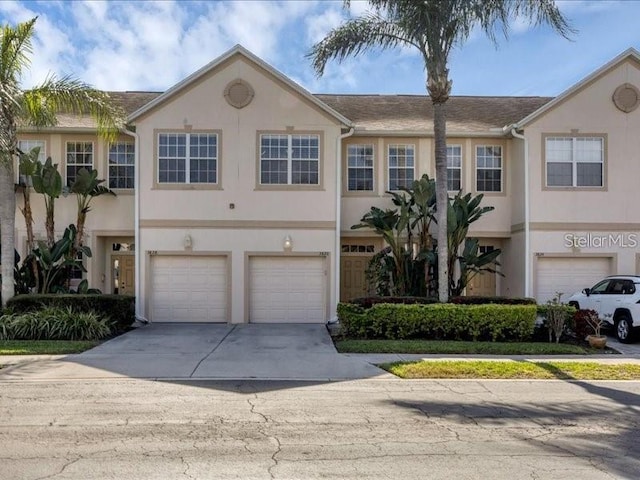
(39, 347)
(485, 369)
(457, 347)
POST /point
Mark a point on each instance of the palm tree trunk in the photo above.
(49, 223)
(442, 197)
(28, 217)
(7, 227)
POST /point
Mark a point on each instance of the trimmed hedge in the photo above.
(119, 309)
(480, 300)
(438, 322)
(368, 302)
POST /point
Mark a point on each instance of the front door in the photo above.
(355, 254)
(123, 274)
(483, 284)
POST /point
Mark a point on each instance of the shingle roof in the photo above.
(383, 113)
(414, 113)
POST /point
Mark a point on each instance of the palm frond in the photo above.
(15, 50)
(69, 95)
(355, 37)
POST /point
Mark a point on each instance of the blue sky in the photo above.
(146, 45)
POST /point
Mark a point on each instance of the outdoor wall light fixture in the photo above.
(287, 244)
(188, 241)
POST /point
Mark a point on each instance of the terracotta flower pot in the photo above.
(597, 341)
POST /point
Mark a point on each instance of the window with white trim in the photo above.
(360, 168)
(488, 168)
(454, 167)
(121, 165)
(79, 155)
(401, 162)
(189, 158)
(289, 159)
(574, 161)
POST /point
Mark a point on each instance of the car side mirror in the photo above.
(587, 291)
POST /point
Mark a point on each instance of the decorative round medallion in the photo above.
(238, 93)
(626, 97)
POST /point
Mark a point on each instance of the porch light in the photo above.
(287, 244)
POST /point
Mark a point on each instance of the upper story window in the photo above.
(121, 165)
(25, 146)
(360, 168)
(454, 168)
(289, 159)
(575, 161)
(489, 168)
(79, 155)
(401, 161)
(188, 158)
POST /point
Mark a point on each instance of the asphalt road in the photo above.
(382, 429)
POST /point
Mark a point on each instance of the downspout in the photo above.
(336, 266)
(136, 223)
(527, 246)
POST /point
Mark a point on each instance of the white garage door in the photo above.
(568, 275)
(188, 289)
(287, 290)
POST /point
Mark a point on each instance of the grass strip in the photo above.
(485, 369)
(454, 347)
(43, 347)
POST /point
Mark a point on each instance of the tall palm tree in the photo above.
(433, 27)
(35, 107)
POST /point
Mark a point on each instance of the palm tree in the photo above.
(433, 27)
(35, 107)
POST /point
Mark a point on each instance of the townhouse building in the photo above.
(236, 188)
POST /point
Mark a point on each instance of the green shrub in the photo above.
(482, 300)
(119, 309)
(438, 321)
(53, 323)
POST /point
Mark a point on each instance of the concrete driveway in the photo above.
(207, 351)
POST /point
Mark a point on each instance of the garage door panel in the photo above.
(287, 290)
(568, 275)
(189, 289)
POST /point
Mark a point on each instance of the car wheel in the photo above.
(576, 305)
(623, 328)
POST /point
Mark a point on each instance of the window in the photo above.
(121, 165)
(289, 159)
(79, 155)
(454, 167)
(25, 146)
(188, 158)
(360, 168)
(401, 160)
(488, 168)
(574, 161)
(600, 287)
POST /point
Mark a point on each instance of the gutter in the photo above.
(336, 275)
(138, 254)
(527, 243)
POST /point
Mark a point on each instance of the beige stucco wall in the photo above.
(260, 218)
(590, 111)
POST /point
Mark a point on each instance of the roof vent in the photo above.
(238, 93)
(626, 97)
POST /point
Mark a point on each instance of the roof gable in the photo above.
(236, 51)
(629, 54)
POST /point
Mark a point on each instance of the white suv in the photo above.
(617, 301)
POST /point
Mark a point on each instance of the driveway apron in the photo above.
(207, 351)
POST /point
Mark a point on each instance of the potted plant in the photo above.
(596, 340)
